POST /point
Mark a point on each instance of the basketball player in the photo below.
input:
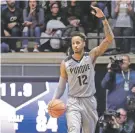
(78, 70)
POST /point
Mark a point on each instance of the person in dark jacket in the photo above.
(74, 10)
(12, 19)
(4, 45)
(120, 84)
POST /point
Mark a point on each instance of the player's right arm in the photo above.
(99, 50)
(62, 82)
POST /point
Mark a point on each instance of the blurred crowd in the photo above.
(59, 19)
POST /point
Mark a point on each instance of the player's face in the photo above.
(77, 44)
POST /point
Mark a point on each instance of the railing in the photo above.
(62, 38)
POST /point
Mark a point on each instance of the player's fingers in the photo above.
(94, 7)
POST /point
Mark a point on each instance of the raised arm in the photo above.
(99, 50)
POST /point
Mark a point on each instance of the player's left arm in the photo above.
(62, 82)
(99, 50)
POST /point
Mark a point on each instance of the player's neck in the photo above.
(78, 56)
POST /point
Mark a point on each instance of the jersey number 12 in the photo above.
(82, 80)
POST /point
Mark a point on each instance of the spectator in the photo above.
(22, 4)
(120, 84)
(120, 124)
(55, 14)
(63, 4)
(87, 21)
(133, 40)
(74, 10)
(4, 45)
(103, 6)
(54, 19)
(122, 13)
(46, 4)
(34, 24)
(12, 19)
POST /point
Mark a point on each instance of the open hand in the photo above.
(97, 12)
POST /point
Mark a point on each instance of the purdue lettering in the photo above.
(80, 69)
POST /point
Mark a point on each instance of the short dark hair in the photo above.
(51, 6)
(80, 34)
